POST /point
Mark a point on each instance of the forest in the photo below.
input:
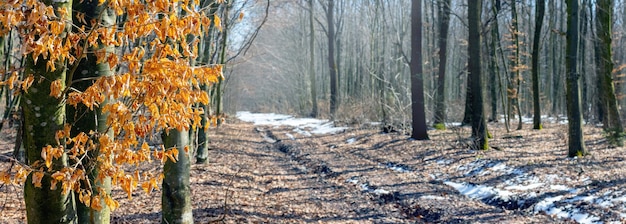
(298, 111)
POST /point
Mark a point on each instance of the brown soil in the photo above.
(251, 178)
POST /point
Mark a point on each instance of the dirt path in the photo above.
(262, 174)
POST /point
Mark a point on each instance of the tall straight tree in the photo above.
(576, 144)
(440, 102)
(312, 61)
(44, 115)
(332, 63)
(539, 12)
(479, 126)
(417, 80)
(608, 101)
(85, 120)
(515, 81)
(176, 196)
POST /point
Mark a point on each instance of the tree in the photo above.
(154, 88)
(440, 104)
(176, 195)
(608, 100)
(312, 61)
(539, 12)
(576, 144)
(417, 82)
(515, 82)
(42, 110)
(479, 126)
(332, 63)
(85, 120)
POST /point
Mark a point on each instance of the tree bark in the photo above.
(312, 61)
(479, 126)
(611, 118)
(44, 115)
(540, 10)
(330, 21)
(516, 66)
(417, 82)
(440, 104)
(202, 143)
(176, 194)
(576, 144)
(86, 120)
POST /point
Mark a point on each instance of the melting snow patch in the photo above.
(351, 140)
(549, 206)
(479, 192)
(317, 126)
(290, 136)
(524, 187)
(432, 197)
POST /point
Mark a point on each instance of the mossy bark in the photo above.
(44, 115)
(86, 120)
(176, 192)
(608, 100)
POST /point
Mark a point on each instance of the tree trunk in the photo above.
(176, 194)
(86, 120)
(417, 81)
(479, 126)
(611, 118)
(330, 14)
(202, 143)
(467, 116)
(576, 144)
(44, 115)
(312, 61)
(515, 86)
(440, 104)
(540, 10)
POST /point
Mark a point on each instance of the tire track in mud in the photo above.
(411, 212)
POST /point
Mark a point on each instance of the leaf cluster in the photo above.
(154, 87)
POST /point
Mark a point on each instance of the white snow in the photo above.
(303, 126)
(524, 187)
(432, 197)
(556, 197)
(476, 191)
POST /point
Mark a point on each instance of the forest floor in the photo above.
(284, 174)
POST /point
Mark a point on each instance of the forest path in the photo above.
(281, 174)
(266, 174)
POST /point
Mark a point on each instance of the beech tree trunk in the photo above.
(576, 144)
(330, 15)
(540, 10)
(608, 100)
(440, 102)
(312, 61)
(44, 115)
(176, 194)
(85, 120)
(417, 81)
(479, 126)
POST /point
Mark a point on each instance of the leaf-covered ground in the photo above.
(282, 174)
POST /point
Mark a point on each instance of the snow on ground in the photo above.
(520, 189)
(303, 126)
